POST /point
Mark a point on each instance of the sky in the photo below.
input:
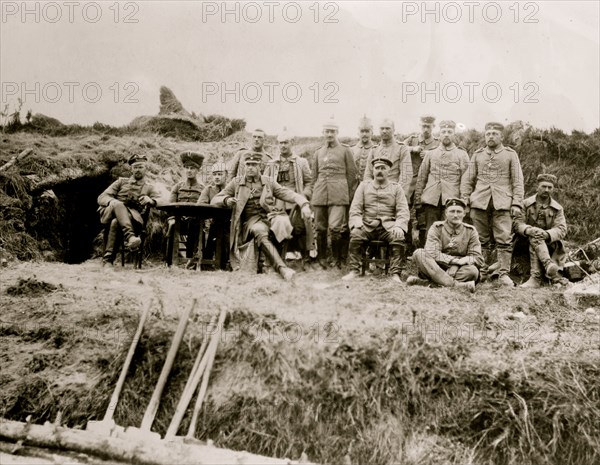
(297, 64)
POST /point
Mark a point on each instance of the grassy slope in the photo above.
(367, 370)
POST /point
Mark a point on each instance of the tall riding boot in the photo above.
(397, 261)
(504, 260)
(336, 249)
(344, 245)
(541, 251)
(322, 249)
(429, 267)
(277, 262)
(109, 249)
(485, 271)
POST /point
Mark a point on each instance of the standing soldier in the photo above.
(543, 224)
(493, 188)
(294, 173)
(440, 176)
(335, 180)
(364, 147)
(188, 190)
(398, 154)
(219, 175)
(418, 144)
(236, 166)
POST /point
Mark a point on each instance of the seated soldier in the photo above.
(294, 173)
(219, 176)
(543, 223)
(188, 190)
(253, 197)
(126, 200)
(452, 254)
(379, 211)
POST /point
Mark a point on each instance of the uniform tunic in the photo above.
(361, 153)
(445, 243)
(184, 191)
(440, 175)
(335, 175)
(401, 170)
(415, 158)
(373, 206)
(493, 175)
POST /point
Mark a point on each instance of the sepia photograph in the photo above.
(300, 232)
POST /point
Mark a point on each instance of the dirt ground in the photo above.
(62, 325)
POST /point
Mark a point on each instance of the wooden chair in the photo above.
(381, 253)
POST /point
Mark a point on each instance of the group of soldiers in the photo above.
(412, 196)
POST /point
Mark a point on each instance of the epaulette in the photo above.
(345, 145)
(510, 149)
(470, 226)
(461, 148)
(437, 224)
(480, 149)
(265, 179)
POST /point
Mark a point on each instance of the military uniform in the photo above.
(361, 154)
(127, 211)
(401, 171)
(255, 214)
(335, 179)
(445, 244)
(294, 173)
(439, 179)
(550, 218)
(492, 185)
(236, 165)
(417, 140)
(375, 210)
(186, 191)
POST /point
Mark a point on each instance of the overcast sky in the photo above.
(296, 64)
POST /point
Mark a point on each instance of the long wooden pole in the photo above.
(150, 413)
(191, 384)
(121, 381)
(211, 352)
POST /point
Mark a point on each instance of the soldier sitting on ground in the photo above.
(452, 254)
(126, 200)
(543, 224)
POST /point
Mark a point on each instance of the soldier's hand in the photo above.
(397, 233)
(416, 149)
(515, 211)
(306, 212)
(145, 200)
(171, 221)
(230, 202)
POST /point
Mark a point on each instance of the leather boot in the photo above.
(397, 260)
(344, 245)
(109, 249)
(355, 254)
(504, 260)
(468, 285)
(322, 249)
(336, 250)
(542, 253)
(485, 269)
(270, 252)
